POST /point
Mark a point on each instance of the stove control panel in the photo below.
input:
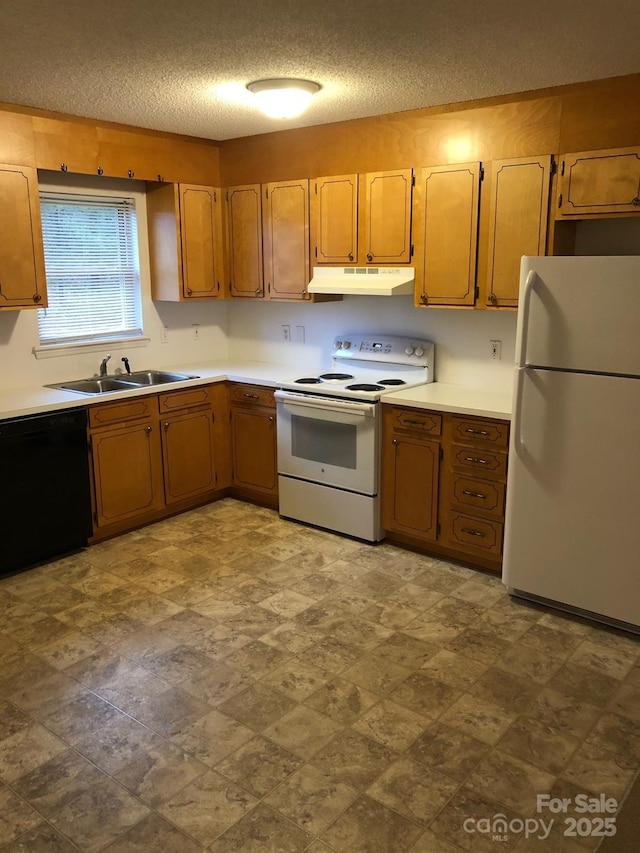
(390, 349)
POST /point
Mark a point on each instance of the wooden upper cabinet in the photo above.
(386, 222)
(185, 242)
(599, 182)
(285, 229)
(22, 275)
(201, 239)
(244, 234)
(335, 219)
(446, 233)
(518, 215)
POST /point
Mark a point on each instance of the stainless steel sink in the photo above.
(107, 384)
(94, 386)
(155, 377)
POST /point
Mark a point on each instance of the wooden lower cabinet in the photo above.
(444, 483)
(253, 439)
(157, 454)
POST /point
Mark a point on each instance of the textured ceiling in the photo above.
(160, 63)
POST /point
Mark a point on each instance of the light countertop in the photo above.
(438, 396)
(441, 397)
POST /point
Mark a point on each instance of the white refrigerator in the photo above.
(572, 531)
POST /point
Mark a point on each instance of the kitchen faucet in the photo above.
(103, 365)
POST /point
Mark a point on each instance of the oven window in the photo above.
(323, 441)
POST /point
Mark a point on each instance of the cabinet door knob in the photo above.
(636, 201)
(166, 425)
(100, 170)
(63, 167)
(492, 298)
(270, 417)
(258, 291)
(189, 292)
(131, 173)
(394, 441)
(37, 297)
(424, 298)
(148, 430)
(369, 257)
(350, 256)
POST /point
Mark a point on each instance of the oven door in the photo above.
(329, 441)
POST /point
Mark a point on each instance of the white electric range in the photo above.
(329, 431)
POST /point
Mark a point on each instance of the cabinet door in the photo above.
(285, 215)
(447, 233)
(518, 215)
(200, 228)
(335, 219)
(604, 182)
(22, 276)
(188, 455)
(127, 469)
(244, 223)
(254, 449)
(410, 486)
(387, 217)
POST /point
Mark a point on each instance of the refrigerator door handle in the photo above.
(518, 439)
(525, 305)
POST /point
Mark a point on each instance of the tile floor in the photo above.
(231, 681)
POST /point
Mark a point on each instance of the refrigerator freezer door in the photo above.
(580, 313)
(572, 531)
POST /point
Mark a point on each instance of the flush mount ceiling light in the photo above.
(283, 98)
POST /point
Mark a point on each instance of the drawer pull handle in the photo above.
(251, 396)
(474, 494)
(477, 431)
(472, 532)
(418, 423)
(476, 460)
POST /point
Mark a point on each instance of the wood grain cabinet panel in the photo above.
(335, 219)
(185, 242)
(410, 486)
(254, 449)
(188, 455)
(22, 274)
(244, 238)
(285, 228)
(127, 471)
(447, 234)
(518, 216)
(444, 497)
(599, 182)
(386, 224)
(64, 146)
(117, 414)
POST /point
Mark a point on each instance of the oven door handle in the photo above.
(359, 410)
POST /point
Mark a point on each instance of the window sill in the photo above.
(54, 350)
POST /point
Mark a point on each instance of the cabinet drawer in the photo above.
(417, 420)
(474, 431)
(472, 493)
(476, 534)
(480, 461)
(113, 414)
(253, 394)
(184, 399)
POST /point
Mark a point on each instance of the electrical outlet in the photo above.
(298, 334)
(495, 350)
(196, 331)
(285, 332)
(164, 335)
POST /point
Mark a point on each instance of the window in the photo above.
(93, 274)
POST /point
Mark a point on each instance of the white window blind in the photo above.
(93, 274)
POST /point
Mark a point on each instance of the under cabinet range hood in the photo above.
(363, 281)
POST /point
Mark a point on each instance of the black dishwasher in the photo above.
(45, 500)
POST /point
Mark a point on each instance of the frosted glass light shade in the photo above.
(283, 98)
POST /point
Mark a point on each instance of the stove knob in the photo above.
(419, 352)
(346, 344)
(409, 350)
